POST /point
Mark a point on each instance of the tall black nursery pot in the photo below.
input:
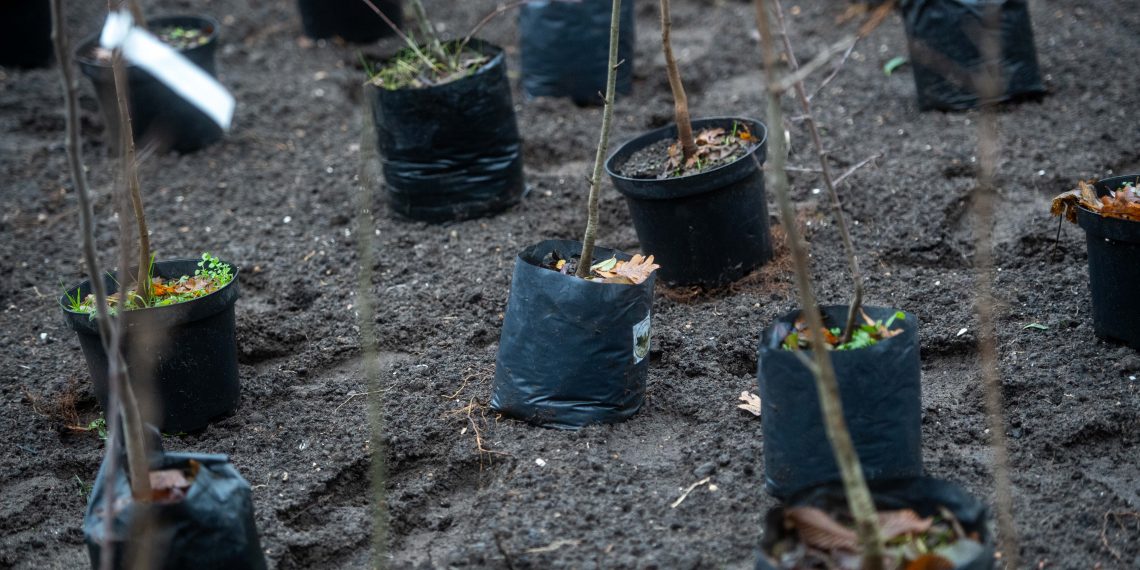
(572, 352)
(25, 33)
(451, 151)
(158, 114)
(950, 30)
(351, 20)
(190, 347)
(1114, 268)
(924, 495)
(709, 228)
(212, 527)
(564, 46)
(880, 387)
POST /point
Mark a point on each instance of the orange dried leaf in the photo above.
(637, 269)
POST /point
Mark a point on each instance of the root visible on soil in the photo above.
(1116, 516)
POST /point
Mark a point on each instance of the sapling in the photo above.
(680, 101)
(122, 408)
(858, 495)
(825, 167)
(989, 87)
(587, 258)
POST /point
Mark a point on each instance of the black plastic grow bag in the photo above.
(1114, 268)
(212, 527)
(926, 496)
(351, 20)
(709, 228)
(191, 347)
(158, 114)
(451, 151)
(572, 352)
(25, 33)
(564, 48)
(881, 390)
(949, 31)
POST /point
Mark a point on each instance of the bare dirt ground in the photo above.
(277, 197)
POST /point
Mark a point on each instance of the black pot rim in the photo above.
(1109, 227)
(65, 304)
(617, 252)
(649, 188)
(84, 47)
(484, 47)
(768, 337)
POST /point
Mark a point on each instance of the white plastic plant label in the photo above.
(641, 340)
(189, 81)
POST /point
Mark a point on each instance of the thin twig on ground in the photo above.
(1104, 530)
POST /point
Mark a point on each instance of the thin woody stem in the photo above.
(858, 495)
(828, 180)
(132, 422)
(680, 100)
(587, 257)
(989, 87)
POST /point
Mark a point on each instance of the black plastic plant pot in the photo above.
(945, 54)
(564, 49)
(211, 527)
(184, 355)
(926, 496)
(880, 387)
(25, 33)
(450, 151)
(351, 20)
(159, 116)
(1114, 268)
(572, 352)
(709, 228)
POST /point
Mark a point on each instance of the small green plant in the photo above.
(99, 426)
(83, 488)
(868, 334)
(213, 268)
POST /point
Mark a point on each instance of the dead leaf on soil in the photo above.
(171, 485)
(632, 272)
(819, 529)
(1122, 203)
(751, 403)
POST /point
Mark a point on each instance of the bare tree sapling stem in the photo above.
(680, 101)
(587, 257)
(370, 365)
(825, 170)
(858, 495)
(109, 329)
(129, 165)
(989, 87)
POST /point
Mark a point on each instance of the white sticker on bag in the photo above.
(189, 81)
(641, 340)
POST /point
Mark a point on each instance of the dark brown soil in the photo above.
(277, 197)
(653, 161)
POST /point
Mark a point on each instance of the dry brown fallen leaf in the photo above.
(637, 269)
(818, 529)
(1123, 203)
(751, 403)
